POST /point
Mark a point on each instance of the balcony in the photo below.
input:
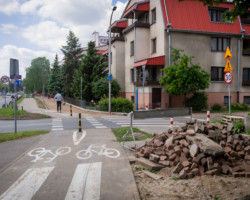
(136, 24)
(246, 82)
(113, 39)
(146, 83)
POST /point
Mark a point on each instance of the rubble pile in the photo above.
(198, 148)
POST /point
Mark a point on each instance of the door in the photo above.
(156, 98)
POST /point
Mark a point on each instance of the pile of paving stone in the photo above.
(198, 148)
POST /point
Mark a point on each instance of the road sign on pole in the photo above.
(5, 79)
(228, 54)
(228, 67)
(228, 77)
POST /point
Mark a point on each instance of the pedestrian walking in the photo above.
(59, 100)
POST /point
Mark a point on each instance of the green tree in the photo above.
(241, 6)
(100, 88)
(37, 75)
(92, 68)
(72, 59)
(55, 78)
(184, 77)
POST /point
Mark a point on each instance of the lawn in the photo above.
(9, 112)
(13, 136)
(139, 135)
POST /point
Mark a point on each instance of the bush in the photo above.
(117, 105)
(239, 127)
(216, 107)
(239, 106)
(198, 101)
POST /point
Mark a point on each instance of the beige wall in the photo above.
(142, 50)
(118, 62)
(199, 46)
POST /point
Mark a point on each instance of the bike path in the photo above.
(69, 165)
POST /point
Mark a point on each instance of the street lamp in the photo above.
(109, 59)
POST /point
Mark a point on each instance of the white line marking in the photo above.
(57, 129)
(97, 124)
(86, 182)
(77, 141)
(27, 185)
(101, 127)
(125, 125)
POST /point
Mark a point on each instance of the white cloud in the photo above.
(9, 7)
(31, 6)
(25, 56)
(47, 35)
(8, 28)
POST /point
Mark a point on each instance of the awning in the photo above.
(139, 6)
(151, 61)
(103, 52)
(118, 25)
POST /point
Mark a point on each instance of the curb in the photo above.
(98, 111)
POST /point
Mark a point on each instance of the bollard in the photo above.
(80, 123)
(22, 107)
(70, 110)
(146, 106)
(171, 122)
(208, 117)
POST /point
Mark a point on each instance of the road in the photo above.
(2, 100)
(89, 123)
(69, 165)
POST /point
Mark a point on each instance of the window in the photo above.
(132, 48)
(220, 43)
(246, 47)
(133, 99)
(246, 99)
(153, 15)
(245, 18)
(154, 74)
(246, 76)
(216, 14)
(226, 100)
(132, 75)
(217, 73)
(154, 45)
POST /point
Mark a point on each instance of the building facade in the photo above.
(142, 41)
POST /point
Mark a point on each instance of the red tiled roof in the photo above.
(247, 29)
(119, 24)
(103, 52)
(191, 15)
(141, 6)
(151, 61)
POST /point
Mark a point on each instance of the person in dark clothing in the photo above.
(59, 100)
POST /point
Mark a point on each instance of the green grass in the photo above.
(248, 132)
(174, 178)
(40, 103)
(90, 107)
(120, 132)
(20, 100)
(216, 120)
(9, 112)
(13, 136)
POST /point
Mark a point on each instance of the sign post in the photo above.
(5, 79)
(228, 77)
(14, 71)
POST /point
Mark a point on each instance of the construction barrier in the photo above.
(70, 110)
(171, 122)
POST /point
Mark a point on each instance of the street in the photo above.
(89, 123)
(2, 100)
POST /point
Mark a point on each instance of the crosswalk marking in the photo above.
(101, 127)
(86, 182)
(57, 125)
(95, 122)
(27, 185)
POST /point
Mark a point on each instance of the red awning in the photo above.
(151, 61)
(119, 25)
(139, 6)
(103, 52)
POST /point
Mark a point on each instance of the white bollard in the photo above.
(171, 122)
(208, 117)
(146, 106)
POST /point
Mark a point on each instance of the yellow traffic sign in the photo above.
(228, 67)
(228, 54)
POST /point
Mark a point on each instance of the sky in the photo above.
(39, 28)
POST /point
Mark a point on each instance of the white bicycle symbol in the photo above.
(101, 150)
(47, 155)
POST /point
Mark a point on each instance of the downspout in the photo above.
(134, 50)
(239, 59)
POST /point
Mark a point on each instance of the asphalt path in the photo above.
(69, 165)
(89, 123)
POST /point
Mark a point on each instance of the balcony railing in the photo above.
(246, 83)
(146, 83)
(113, 39)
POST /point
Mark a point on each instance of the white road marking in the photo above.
(101, 127)
(97, 124)
(77, 141)
(27, 185)
(86, 182)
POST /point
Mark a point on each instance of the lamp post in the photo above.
(109, 59)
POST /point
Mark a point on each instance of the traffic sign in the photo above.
(228, 67)
(18, 76)
(228, 77)
(5, 79)
(228, 54)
